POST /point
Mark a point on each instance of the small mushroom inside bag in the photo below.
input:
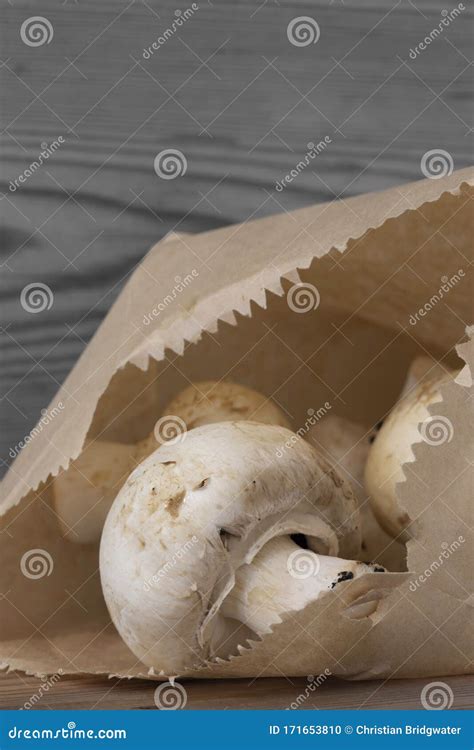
(222, 520)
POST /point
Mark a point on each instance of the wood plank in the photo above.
(98, 693)
(84, 219)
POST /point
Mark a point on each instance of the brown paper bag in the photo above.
(323, 306)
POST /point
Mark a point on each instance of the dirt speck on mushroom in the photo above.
(173, 504)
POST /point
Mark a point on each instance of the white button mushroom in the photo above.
(421, 369)
(212, 401)
(392, 447)
(346, 446)
(85, 491)
(192, 514)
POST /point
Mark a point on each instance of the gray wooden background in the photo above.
(241, 102)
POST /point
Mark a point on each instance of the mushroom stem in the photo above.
(284, 577)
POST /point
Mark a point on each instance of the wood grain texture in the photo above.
(95, 693)
(242, 103)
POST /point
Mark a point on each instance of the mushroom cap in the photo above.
(392, 448)
(220, 401)
(84, 492)
(346, 446)
(211, 401)
(422, 368)
(192, 513)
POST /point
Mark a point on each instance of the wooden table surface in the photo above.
(16, 690)
(241, 103)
